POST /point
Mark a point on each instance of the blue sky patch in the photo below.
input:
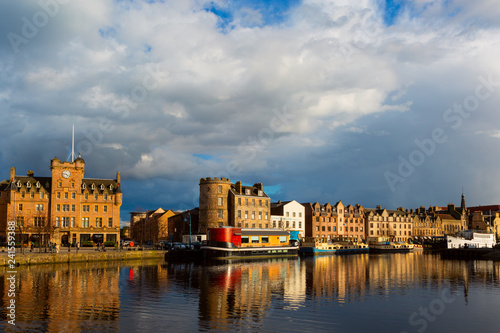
(252, 13)
(391, 10)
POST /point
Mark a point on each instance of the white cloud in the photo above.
(335, 67)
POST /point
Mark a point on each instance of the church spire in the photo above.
(462, 203)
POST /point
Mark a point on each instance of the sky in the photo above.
(391, 103)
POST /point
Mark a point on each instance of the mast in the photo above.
(73, 145)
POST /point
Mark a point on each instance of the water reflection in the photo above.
(298, 294)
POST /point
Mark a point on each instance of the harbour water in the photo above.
(414, 292)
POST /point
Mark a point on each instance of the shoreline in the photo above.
(82, 256)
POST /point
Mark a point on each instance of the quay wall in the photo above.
(55, 258)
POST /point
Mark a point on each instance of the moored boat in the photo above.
(385, 245)
(316, 246)
(230, 242)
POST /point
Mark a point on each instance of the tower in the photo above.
(214, 205)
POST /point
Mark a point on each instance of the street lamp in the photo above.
(185, 220)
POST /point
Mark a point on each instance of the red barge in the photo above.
(231, 242)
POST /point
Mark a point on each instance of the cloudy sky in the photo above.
(392, 103)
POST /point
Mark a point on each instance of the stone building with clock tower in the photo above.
(66, 208)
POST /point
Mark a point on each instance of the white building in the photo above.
(289, 216)
(471, 239)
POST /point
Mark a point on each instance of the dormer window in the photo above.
(247, 192)
(260, 193)
(28, 185)
(84, 186)
(92, 187)
(37, 184)
(102, 187)
(111, 187)
(18, 183)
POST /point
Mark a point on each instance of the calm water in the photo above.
(363, 293)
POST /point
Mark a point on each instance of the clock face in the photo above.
(66, 174)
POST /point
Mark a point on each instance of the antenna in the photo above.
(73, 145)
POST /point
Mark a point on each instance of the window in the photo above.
(110, 222)
(41, 195)
(73, 208)
(59, 184)
(65, 208)
(260, 203)
(95, 196)
(72, 222)
(73, 185)
(283, 239)
(219, 189)
(221, 214)
(300, 214)
(98, 222)
(334, 228)
(253, 202)
(239, 214)
(300, 226)
(86, 208)
(264, 239)
(287, 214)
(255, 239)
(73, 195)
(247, 191)
(105, 209)
(253, 215)
(239, 201)
(85, 222)
(58, 208)
(65, 195)
(65, 222)
(32, 195)
(96, 208)
(266, 216)
(246, 214)
(39, 207)
(58, 195)
(57, 221)
(220, 201)
(20, 221)
(246, 202)
(86, 196)
(293, 214)
(260, 215)
(39, 221)
(244, 240)
(260, 193)
(105, 196)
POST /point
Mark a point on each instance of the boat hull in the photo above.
(389, 249)
(213, 252)
(312, 251)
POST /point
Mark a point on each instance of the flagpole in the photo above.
(73, 145)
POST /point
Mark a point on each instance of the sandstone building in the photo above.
(223, 203)
(65, 208)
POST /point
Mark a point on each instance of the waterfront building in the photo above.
(453, 218)
(288, 215)
(396, 224)
(179, 227)
(354, 223)
(151, 226)
(485, 218)
(325, 221)
(426, 223)
(223, 203)
(65, 208)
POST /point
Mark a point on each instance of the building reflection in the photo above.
(64, 298)
(243, 292)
